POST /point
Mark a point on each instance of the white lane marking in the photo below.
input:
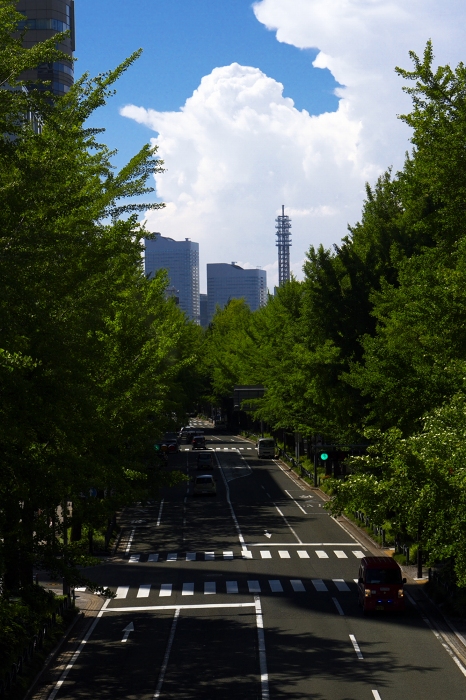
(232, 587)
(153, 557)
(81, 589)
(249, 448)
(186, 449)
(356, 580)
(165, 590)
(148, 608)
(209, 556)
(218, 448)
(144, 590)
(265, 554)
(340, 554)
(275, 586)
(321, 554)
(254, 587)
(167, 654)
(338, 606)
(210, 588)
(358, 554)
(127, 631)
(356, 646)
(438, 635)
(233, 514)
(226, 448)
(265, 695)
(190, 556)
(376, 695)
(303, 544)
(283, 554)
(285, 471)
(340, 584)
(130, 541)
(188, 589)
(246, 554)
(302, 554)
(297, 585)
(160, 513)
(319, 585)
(267, 534)
(296, 502)
(172, 556)
(121, 592)
(74, 658)
(228, 555)
(134, 558)
(286, 521)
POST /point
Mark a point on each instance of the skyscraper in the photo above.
(43, 19)
(225, 282)
(181, 260)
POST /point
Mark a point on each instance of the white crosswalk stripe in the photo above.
(283, 554)
(302, 554)
(358, 554)
(340, 584)
(144, 590)
(276, 586)
(297, 585)
(134, 558)
(209, 556)
(321, 554)
(121, 592)
(188, 589)
(319, 585)
(228, 555)
(173, 556)
(232, 586)
(190, 556)
(153, 557)
(254, 587)
(165, 590)
(340, 554)
(265, 554)
(210, 587)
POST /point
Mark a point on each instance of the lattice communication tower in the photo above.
(283, 226)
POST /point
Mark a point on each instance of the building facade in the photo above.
(181, 260)
(204, 310)
(225, 282)
(43, 19)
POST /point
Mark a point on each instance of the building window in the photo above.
(53, 24)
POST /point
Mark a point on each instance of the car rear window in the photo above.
(383, 576)
(204, 480)
(267, 443)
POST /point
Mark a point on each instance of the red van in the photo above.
(380, 585)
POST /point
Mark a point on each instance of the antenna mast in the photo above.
(283, 227)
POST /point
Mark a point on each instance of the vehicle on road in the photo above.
(191, 433)
(204, 485)
(380, 584)
(205, 460)
(265, 448)
(198, 442)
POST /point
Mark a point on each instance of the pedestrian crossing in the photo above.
(245, 553)
(225, 449)
(237, 587)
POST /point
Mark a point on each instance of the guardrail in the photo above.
(36, 644)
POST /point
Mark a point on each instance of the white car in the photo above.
(204, 485)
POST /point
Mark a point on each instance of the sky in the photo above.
(255, 105)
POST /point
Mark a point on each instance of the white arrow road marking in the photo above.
(128, 629)
(267, 534)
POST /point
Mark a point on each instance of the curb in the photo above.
(53, 654)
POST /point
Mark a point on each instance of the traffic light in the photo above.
(323, 456)
(157, 447)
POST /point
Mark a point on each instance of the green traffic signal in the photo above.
(323, 456)
(157, 447)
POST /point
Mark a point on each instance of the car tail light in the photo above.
(367, 592)
(400, 593)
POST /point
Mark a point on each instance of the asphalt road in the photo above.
(251, 595)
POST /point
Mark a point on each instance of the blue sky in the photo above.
(184, 40)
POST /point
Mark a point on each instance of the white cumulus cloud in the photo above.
(237, 150)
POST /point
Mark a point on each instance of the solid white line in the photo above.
(167, 654)
(286, 521)
(160, 513)
(356, 646)
(304, 544)
(376, 695)
(130, 541)
(148, 608)
(296, 483)
(233, 514)
(338, 606)
(262, 656)
(78, 651)
(300, 507)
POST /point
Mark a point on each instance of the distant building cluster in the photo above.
(224, 281)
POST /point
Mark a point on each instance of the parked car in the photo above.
(204, 485)
(265, 447)
(198, 442)
(205, 460)
(380, 584)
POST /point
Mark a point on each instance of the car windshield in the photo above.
(383, 576)
(204, 480)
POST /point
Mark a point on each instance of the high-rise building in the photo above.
(225, 282)
(181, 260)
(204, 310)
(43, 19)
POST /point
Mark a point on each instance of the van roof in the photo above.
(378, 562)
